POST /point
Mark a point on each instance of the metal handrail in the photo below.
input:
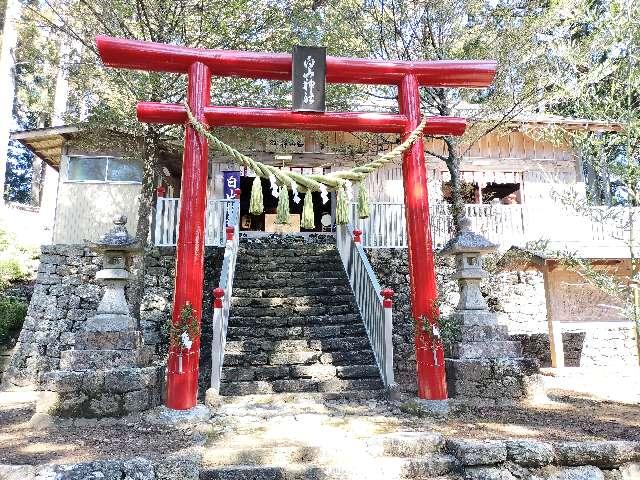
(221, 315)
(366, 288)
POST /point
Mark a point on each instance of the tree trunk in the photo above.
(7, 84)
(150, 156)
(453, 165)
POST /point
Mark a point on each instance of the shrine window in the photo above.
(95, 169)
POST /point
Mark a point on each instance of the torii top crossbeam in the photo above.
(200, 65)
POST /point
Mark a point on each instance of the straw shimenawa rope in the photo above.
(339, 181)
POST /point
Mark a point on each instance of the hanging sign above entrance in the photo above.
(308, 78)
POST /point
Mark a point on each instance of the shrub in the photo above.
(12, 314)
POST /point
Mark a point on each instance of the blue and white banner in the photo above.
(231, 181)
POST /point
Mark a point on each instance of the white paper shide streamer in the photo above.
(186, 344)
(294, 189)
(348, 188)
(274, 185)
(324, 194)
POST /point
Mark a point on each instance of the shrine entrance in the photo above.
(266, 222)
(200, 65)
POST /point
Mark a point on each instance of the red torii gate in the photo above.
(200, 65)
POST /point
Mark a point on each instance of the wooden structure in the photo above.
(570, 297)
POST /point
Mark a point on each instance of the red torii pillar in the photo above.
(199, 64)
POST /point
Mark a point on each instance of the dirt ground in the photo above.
(575, 412)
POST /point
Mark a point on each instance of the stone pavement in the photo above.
(311, 437)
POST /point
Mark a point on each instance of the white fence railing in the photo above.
(168, 213)
(366, 289)
(505, 225)
(221, 315)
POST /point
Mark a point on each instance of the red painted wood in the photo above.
(431, 375)
(165, 113)
(135, 54)
(182, 389)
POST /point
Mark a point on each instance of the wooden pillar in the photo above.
(554, 326)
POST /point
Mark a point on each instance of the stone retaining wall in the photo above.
(511, 459)
(66, 294)
(518, 299)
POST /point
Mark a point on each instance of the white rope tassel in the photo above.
(324, 194)
(294, 189)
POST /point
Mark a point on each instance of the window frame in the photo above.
(106, 172)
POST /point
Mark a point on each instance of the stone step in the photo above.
(295, 301)
(292, 310)
(299, 385)
(406, 444)
(434, 467)
(256, 346)
(278, 455)
(299, 321)
(102, 359)
(284, 282)
(282, 252)
(491, 349)
(284, 274)
(288, 292)
(427, 468)
(295, 263)
(344, 358)
(291, 333)
(296, 372)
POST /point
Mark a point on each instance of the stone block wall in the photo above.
(518, 299)
(66, 294)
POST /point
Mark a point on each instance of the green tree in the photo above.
(597, 50)
(506, 31)
(110, 95)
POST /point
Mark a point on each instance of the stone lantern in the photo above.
(468, 248)
(117, 247)
(109, 373)
(484, 365)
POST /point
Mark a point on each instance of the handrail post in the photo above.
(158, 227)
(218, 294)
(387, 303)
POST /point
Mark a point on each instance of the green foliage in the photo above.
(12, 314)
(16, 262)
(188, 323)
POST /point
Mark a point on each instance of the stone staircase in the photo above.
(393, 456)
(294, 325)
